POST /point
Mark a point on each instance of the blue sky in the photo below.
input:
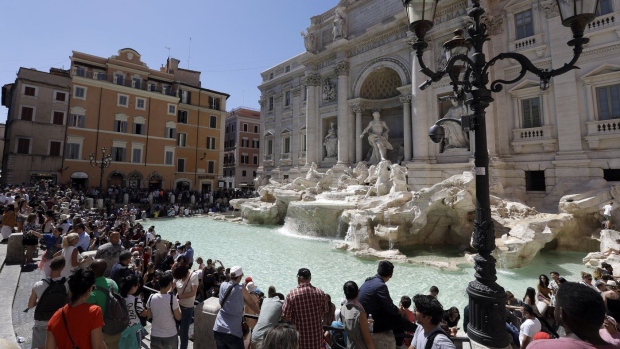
(231, 41)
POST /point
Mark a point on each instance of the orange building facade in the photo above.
(161, 128)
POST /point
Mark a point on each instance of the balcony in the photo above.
(603, 134)
(604, 21)
(533, 139)
(268, 160)
(143, 85)
(532, 44)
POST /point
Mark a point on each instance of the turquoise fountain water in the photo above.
(272, 256)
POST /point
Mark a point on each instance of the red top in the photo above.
(80, 321)
(305, 306)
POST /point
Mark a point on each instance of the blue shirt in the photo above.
(228, 319)
(189, 255)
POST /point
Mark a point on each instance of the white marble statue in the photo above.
(331, 141)
(455, 136)
(339, 23)
(378, 138)
(329, 90)
(383, 184)
(398, 176)
(308, 40)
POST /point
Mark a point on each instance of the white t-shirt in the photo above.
(40, 287)
(187, 286)
(134, 307)
(163, 324)
(607, 210)
(441, 341)
(529, 328)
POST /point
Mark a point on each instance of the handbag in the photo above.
(29, 239)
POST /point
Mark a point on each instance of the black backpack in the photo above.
(53, 298)
(116, 316)
(431, 338)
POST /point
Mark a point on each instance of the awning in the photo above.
(79, 175)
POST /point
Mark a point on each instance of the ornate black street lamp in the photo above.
(468, 71)
(102, 164)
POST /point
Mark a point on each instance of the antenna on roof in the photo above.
(168, 60)
(189, 53)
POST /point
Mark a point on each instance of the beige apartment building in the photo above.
(35, 127)
(241, 147)
(162, 129)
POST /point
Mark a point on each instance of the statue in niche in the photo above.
(378, 138)
(339, 23)
(331, 141)
(329, 90)
(308, 40)
(455, 137)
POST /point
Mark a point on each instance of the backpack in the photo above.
(116, 316)
(431, 338)
(53, 298)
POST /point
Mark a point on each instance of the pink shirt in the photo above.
(607, 337)
(566, 343)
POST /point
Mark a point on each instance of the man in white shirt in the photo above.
(529, 327)
(607, 214)
(428, 314)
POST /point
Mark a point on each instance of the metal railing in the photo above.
(142, 84)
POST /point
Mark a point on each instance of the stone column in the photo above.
(313, 81)
(358, 131)
(406, 101)
(420, 117)
(342, 70)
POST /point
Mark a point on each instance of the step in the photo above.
(9, 278)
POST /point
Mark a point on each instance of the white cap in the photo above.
(251, 287)
(236, 271)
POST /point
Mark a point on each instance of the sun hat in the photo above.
(612, 283)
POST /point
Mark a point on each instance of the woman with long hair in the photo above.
(186, 284)
(23, 211)
(8, 222)
(544, 294)
(77, 324)
(530, 299)
(30, 240)
(70, 252)
(131, 338)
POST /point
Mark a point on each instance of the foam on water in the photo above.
(272, 256)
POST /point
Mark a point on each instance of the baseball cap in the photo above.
(248, 280)
(251, 287)
(236, 271)
(304, 273)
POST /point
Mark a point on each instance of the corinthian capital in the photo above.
(311, 80)
(342, 68)
(405, 98)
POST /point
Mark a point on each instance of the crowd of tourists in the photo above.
(136, 277)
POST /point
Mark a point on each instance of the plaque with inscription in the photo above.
(374, 13)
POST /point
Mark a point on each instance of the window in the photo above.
(245, 127)
(140, 103)
(58, 118)
(172, 109)
(123, 101)
(535, 180)
(287, 98)
(245, 143)
(180, 165)
(182, 117)
(138, 128)
(255, 128)
(120, 126)
(72, 151)
(211, 143)
(303, 142)
(253, 174)
(214, 103)
(79, 92)
(171, 132)
(119, 79)
(244, 173)
(287, 69)
(77, 120)
(232, 128)
(270, 76)
(23, 146)
(60, 96)
(227, 129)
(270, 147)
(245, 159)
(165, 89)
(286, 145)
(530, 109)
(270, 103)
(80, 71)
(30, 91)
(604, 7)
(211, 167)
(55, 147)
(608, 102)
(182, 140)
(99, 75)
(118, 154)
(136, 82)
(27, 114)
(611, 175)
(213, 121)
(136, 156)
(153, 87)
(186, 97)
(255, 160)
(524, 25)
(168, 157)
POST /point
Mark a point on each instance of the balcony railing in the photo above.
(534, 138)
(602, 22)
(141, 84)
(602, 131)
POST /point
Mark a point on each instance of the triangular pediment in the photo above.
(603, 69)
(285, 130)
(527, 83)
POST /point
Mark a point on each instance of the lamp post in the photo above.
(102, 164)
(468, 70)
